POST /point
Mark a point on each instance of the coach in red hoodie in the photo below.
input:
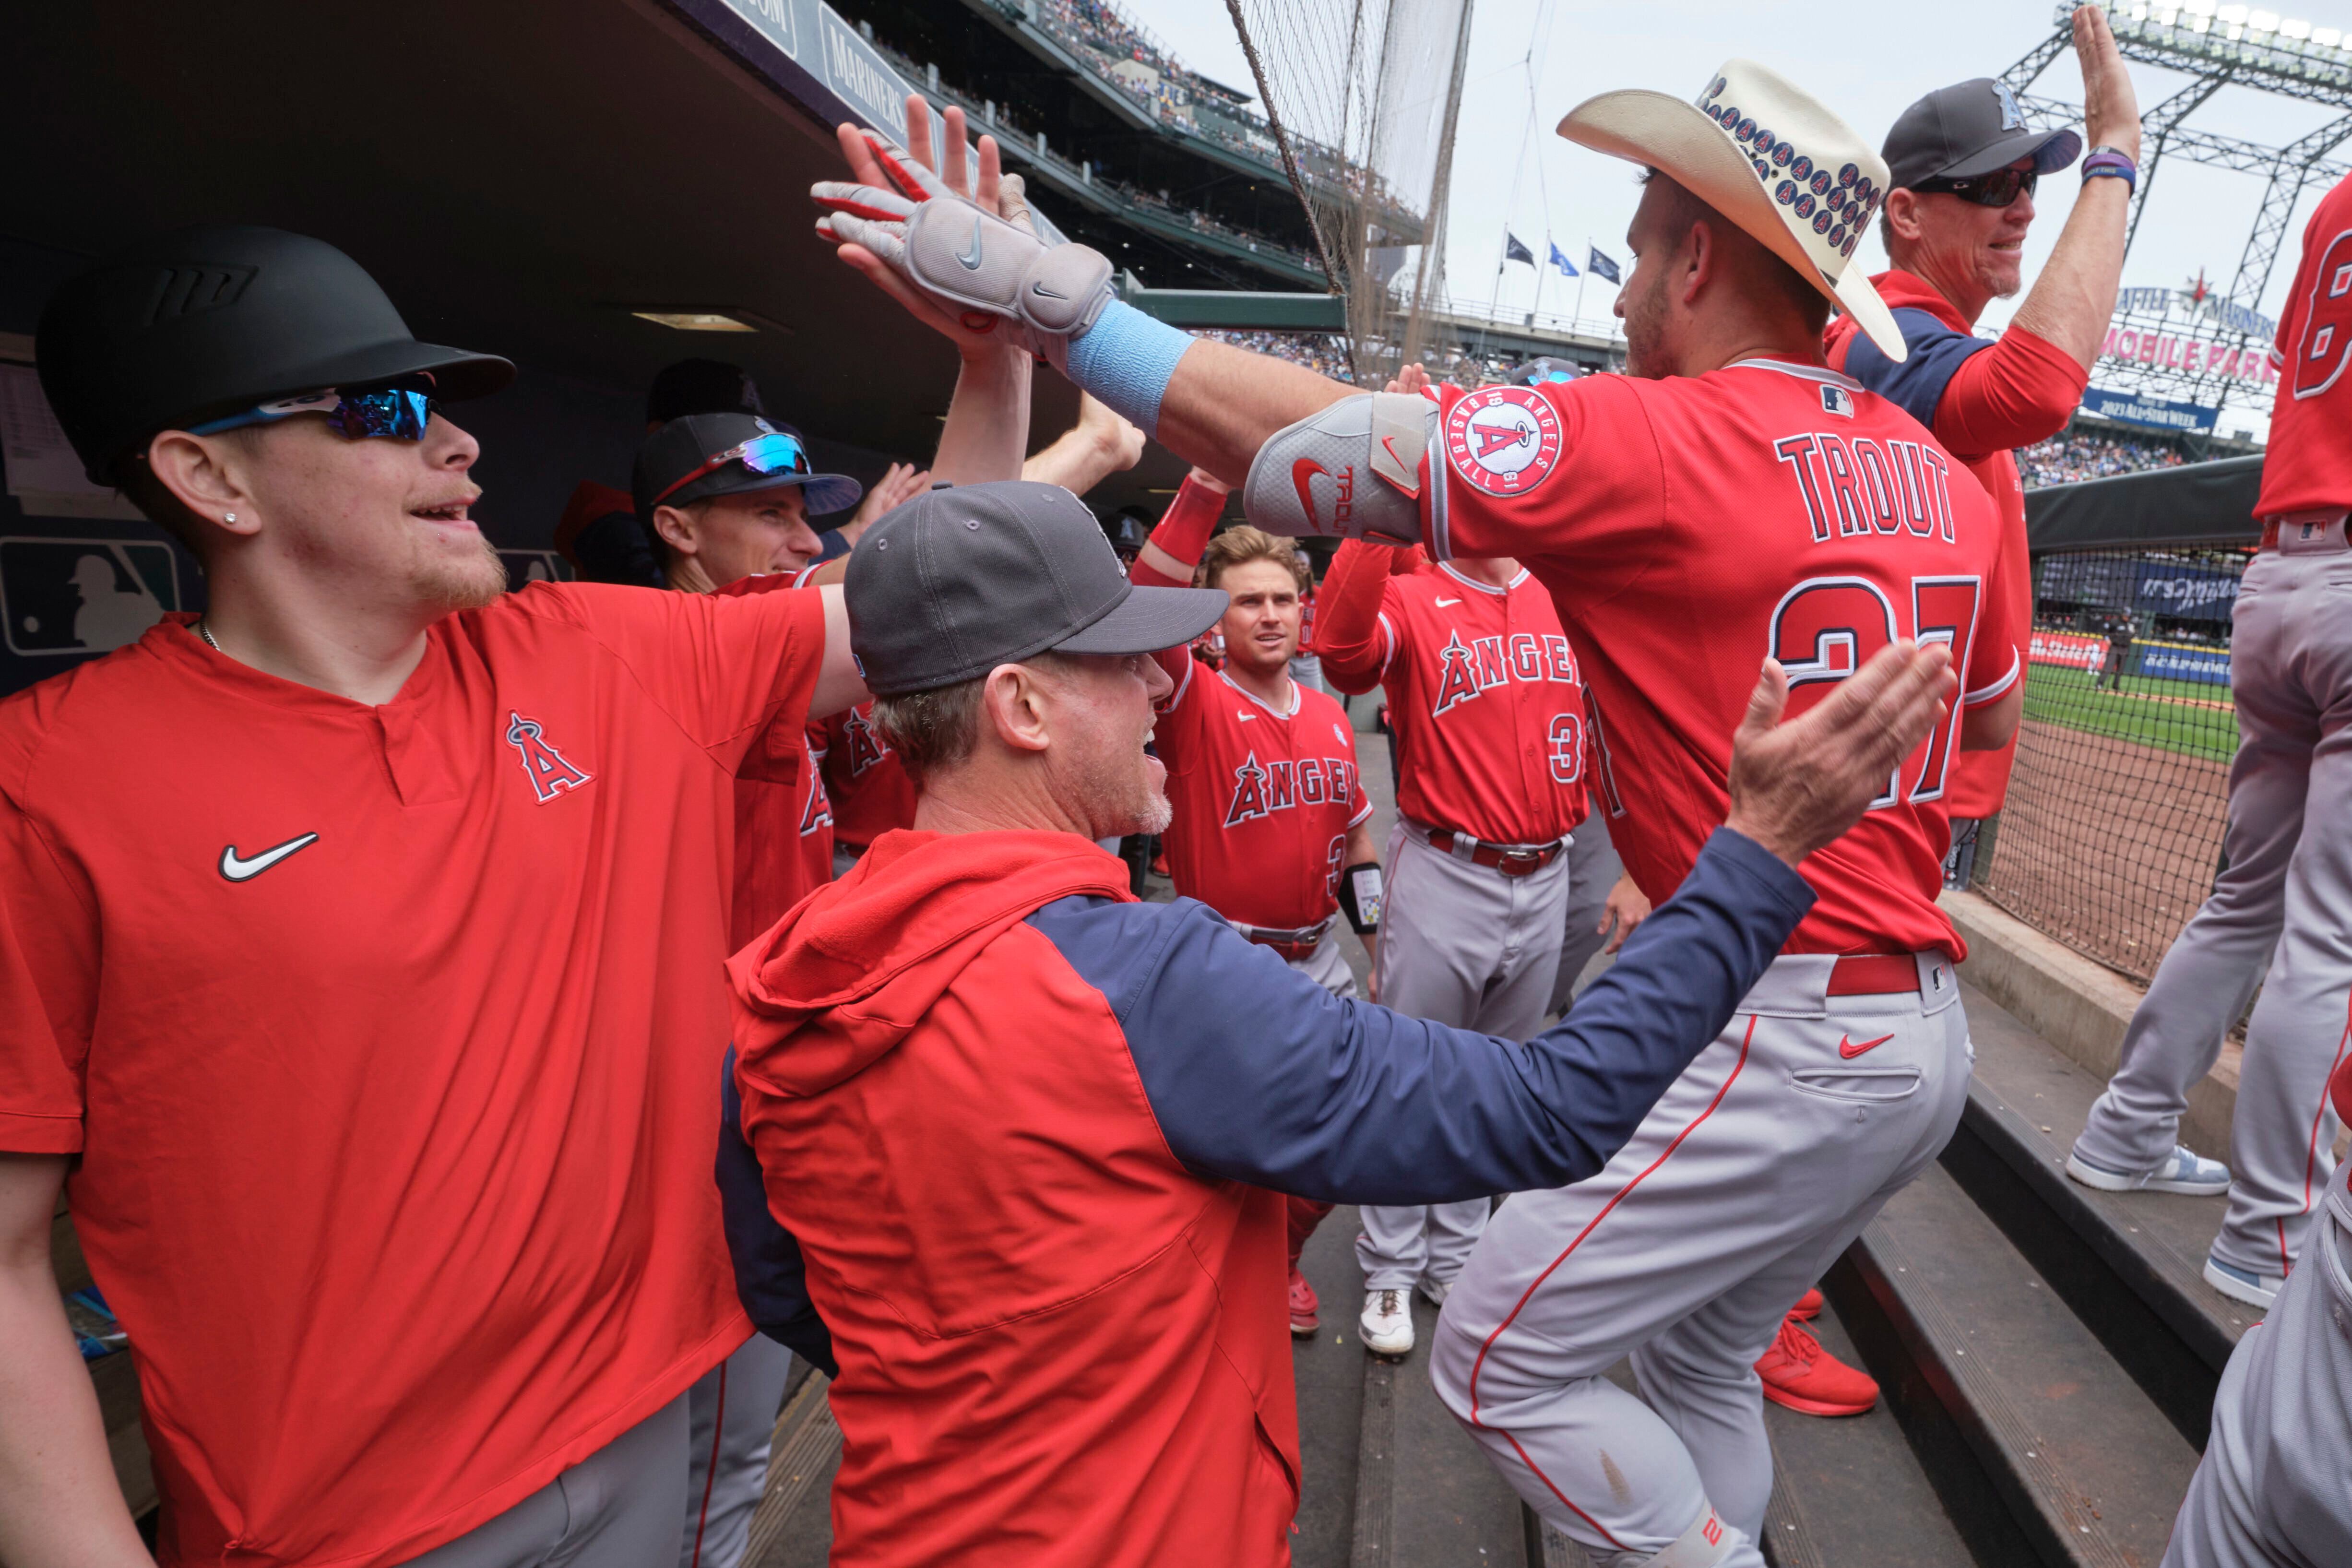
(1029, 1136)
(1965, 167)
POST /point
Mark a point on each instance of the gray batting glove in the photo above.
(967, 259)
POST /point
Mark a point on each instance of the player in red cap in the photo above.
(1271, 829)
(1729, 500)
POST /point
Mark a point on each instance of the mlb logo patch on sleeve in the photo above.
(1504, 440)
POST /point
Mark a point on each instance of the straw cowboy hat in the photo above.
(1769, 156)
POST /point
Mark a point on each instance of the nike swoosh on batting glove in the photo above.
(965, 257)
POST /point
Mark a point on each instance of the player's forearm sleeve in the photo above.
(1257, 1074)
(770, 1277)
(1182, 534)
(1126, 359)
(2022, 390)
(1347, 615)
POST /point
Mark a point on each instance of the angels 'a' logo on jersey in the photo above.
(818, 812)
(1249, 792)
(1504, 440)
(550, 773)
(865, 744)
(1457, 674)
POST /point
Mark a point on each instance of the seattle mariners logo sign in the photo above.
(1504, 440)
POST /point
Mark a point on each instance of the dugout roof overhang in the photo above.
(2196, 503)
(518, 173)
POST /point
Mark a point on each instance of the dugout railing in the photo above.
(2112, 832)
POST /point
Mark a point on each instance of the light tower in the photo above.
(2205, 348)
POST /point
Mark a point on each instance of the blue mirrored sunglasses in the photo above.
(777, 452)
(399, 411)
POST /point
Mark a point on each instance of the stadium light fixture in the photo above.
(694, 320)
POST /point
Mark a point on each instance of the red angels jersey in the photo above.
(783, 818)
(1263, 799)
(870, 789)
(2308, 466)
(1690, 527)
(1486, 704)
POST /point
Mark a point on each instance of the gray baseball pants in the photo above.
(2285, 903)
(732, 1417)
(1460, 944)
(1762, 1163)
(1593, 868)
(2271, 1491)
(617, 1507)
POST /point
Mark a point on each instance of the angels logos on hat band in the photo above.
(1837, 205)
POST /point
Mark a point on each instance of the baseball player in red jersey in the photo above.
(2285, 898)
(1272, 828)
(730, 496)
(868, 786)
(422, 1223)
(1488, 719)
(1730, 501)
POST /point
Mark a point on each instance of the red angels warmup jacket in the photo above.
(1981, 397)
(385, 1037)
(1484, 693)
(2309, 465)
(1263, 799)
(1690, 527)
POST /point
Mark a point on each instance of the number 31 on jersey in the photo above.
(1825, 628)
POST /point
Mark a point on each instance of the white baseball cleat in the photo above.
(2243, 1284)
(1435, 1291)
(2183, 1172)
(1387, 1323)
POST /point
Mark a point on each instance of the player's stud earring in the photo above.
(230, 519)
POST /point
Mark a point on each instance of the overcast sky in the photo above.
(1867, 63)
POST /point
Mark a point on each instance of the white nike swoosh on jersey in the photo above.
(1443, 603)
(237, 869)
(1245, 718)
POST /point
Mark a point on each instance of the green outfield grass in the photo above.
(2056, 695)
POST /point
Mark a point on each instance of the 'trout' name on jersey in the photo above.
(1854, 485)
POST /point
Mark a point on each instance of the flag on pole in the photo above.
(1602, 266)
(1513, 250)
(1566, 268)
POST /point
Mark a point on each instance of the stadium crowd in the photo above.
(2078, 455)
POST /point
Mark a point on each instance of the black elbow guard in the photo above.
(1359, 897)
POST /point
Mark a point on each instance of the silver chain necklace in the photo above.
(206, 632)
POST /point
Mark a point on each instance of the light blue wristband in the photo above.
(1125, 359)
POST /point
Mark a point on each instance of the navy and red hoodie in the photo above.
(1030, 1135)
(1981, 397)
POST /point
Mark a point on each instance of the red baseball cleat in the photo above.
(1802, 1377)
(1304, 1307)
(1808, 1307)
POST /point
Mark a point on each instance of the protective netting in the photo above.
(1362, 99)
(2112, 833)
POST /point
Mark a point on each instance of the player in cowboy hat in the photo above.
(1728, 501)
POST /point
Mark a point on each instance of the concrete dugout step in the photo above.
(2042, 1448)
(1425, 1495)
(2130, 1264)
(792, 1527)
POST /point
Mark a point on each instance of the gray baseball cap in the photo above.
(1970, 129)
(952, 583)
